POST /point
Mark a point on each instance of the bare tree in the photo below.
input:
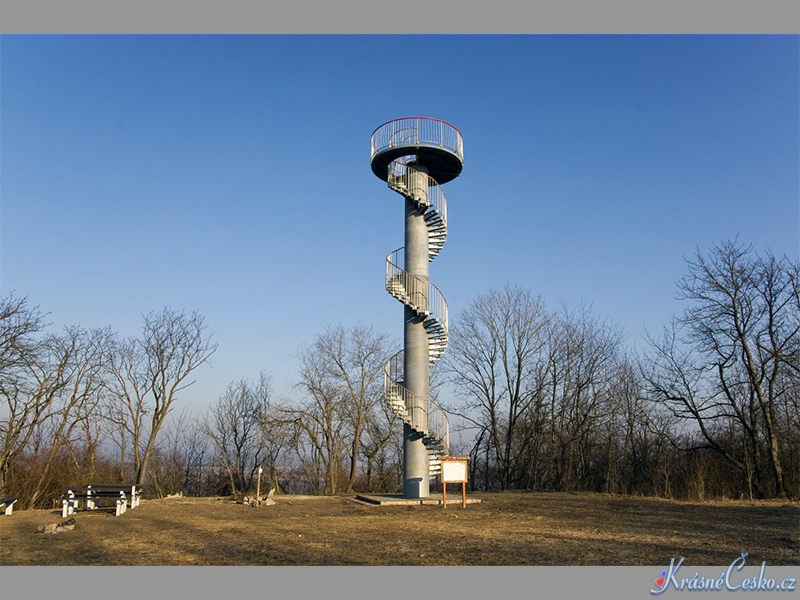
(581, 369)
(234, 426)
(726, 362)
(150, 373)
(278, 434)
(342, 373)
(179, 458)
(126, 406)
(495, 363)
(320, 443)
(19, 324)
(82, 354)
(632, 461)
(33, 374)
(382, 451)
(356, 358)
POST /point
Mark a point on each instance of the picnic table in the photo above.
(92, 494)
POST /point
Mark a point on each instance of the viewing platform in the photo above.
(434, 144)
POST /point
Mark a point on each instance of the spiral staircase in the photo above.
(414, 155)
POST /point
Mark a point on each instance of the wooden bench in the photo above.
(70, 503)
(119, 496)
(132, 491)
(7, 505)
(90, 495)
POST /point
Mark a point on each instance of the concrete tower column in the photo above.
(415, 156)
(416, 357)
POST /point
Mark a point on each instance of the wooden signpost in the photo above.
(258, 487)
(454, 470)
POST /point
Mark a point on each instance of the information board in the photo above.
(454, 471)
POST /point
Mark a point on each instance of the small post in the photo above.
(258, 487)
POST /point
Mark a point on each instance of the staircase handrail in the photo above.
(404, 178)
(421, 295)
(432, 422)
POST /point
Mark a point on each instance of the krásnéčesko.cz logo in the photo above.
(727, 580)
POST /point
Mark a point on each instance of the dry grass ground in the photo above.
(504, 529)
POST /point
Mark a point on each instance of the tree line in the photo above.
(543, 399)
(710, 408)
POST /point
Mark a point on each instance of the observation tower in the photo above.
(414, 156)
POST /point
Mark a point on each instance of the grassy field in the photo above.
(515, 528)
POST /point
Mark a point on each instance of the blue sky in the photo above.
(230, 175)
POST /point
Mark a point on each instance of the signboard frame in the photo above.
(454, 470)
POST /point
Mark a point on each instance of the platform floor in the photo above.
(453, 499)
